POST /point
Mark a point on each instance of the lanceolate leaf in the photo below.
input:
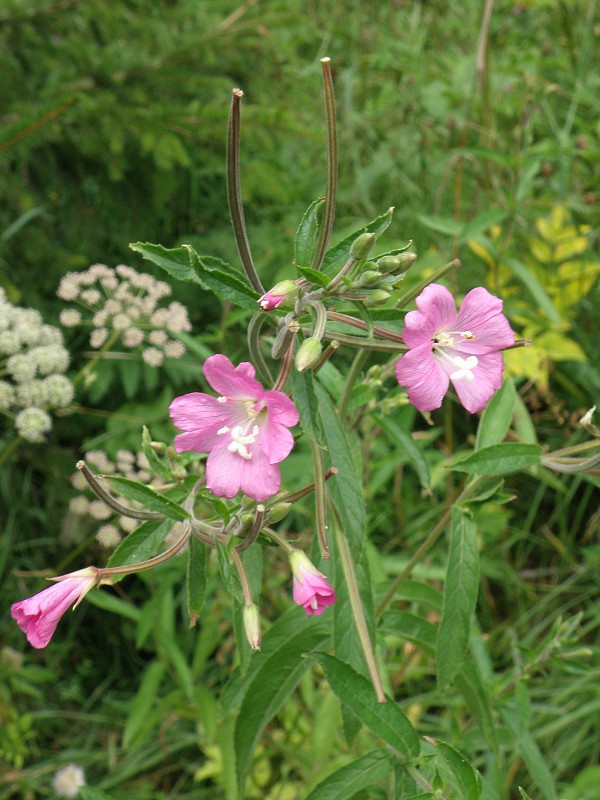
(345, 782)
(387, 721)
(196, 578)
(499, 459)
(336, 256)
(467, 778)
(307, 233)
(147, 497)
(141, 544)
(460, 597)
(497, 417)
(307, 404)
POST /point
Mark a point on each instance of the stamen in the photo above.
(239, 441)
(221, 399)
(465, 368)
(223, 430)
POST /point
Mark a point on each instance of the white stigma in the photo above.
(465, 368)
(221, 399)
(239, 441)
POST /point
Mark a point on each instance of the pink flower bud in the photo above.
(39, 615)
(311, 589)
(278, 295)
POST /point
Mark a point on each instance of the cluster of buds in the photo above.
(32, 362)
(124, 306)
(134, 467)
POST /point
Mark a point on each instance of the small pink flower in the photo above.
(39, 615)
(244, 430)
(311, 589)
(278, 295)
(461, 348)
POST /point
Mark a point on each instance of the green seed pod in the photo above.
(361, 247)
(308, 353)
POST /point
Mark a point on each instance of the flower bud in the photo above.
(398, 263)
(369, 278)
(377, 297)
(278, 511)
(252, 625)
(308, 353)
(406, 259)
(159, 447)
(361, 247)
(280, 294)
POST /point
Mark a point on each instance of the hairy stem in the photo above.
(332, 167)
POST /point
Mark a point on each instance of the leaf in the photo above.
(228, 572)
(307, 404)
(90, 793)
(130, 372)
(314, 276)
(345, 782)
(460, 597)
(410, 447)
(497, 417)
(175, 261)
(140, 545)
(338, 255)
(530, 752)
(411, 627)
(307, 234)
(114, 605)
(469, 780)
(142, 702)
(535, 289)
(156, 464)
(499, 459)
(447, 225)
(388, 721)
(481, 222)
(150, 499)
(197, 565)
(222, 279)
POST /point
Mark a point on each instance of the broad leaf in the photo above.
(140, 545)
(499, 459)
(345, 782)
(497, 417)
(222, 279)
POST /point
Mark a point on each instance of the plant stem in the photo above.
(254, 530)
(357, 365)
(332, 167)
(151, 562)
(254, 326)
(84, 372)
(294, 496)
(320, 499)
(245, 584)
(234, 192)
(110, 501)
(337, 316)
(418, 288)
(286, 367)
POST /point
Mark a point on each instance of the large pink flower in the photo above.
(244, 430)
(461, 348)
(39, 615)
(311, 590)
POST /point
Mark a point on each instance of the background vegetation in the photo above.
(112, 131)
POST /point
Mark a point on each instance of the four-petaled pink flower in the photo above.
(39, 615)
(244, 430)
(311, 590)
(461, 348)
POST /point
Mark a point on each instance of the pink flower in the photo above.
(311, 590)
(281, 293)
(244, 430)
(38, 616)
(445, 347)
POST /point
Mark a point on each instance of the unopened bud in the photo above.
(179, 472)
(280, 294)
(377, 297)
(388, 264)
(308, 353)
(159, 447)
(278, 511)
(361, 247)
(246, 523)
(170, 452)
(406, 259)
(369, 278)
(252, 625)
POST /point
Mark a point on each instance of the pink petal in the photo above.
(481, 313)
(276, 441)
(260, 480)
(426, 380)
(437, 303)
(228, 473)
(224, 471)
(229, 381)
(419, 329)
(487, 377)
(39, 615)
(201, 416)
(281, 409)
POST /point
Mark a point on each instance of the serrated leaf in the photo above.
(499, 459)
(468, 779)
(150, 499)
(307, 234)
(307, 404)
(197, 566)
(345, 782)
(386, 720)
(141, 544)
(175, 261)
(460, 597)
(338, 255)
(497, 417)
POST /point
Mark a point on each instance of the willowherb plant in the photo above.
(33, 361)
(126, 307)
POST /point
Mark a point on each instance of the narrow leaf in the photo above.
(314, 276)
(307, 233)
(157, 466)
(196, 578)
(387, 721)
(142, 702)
(536, 290)
(345, 782)
(307, 404)
(411, 627)
(497, 417)
(468, 779)
(460, 597)
(140, 545)
(499, 459)
(147, 497)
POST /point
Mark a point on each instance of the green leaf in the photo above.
(140, 545)
(481, 222)
(536, 290)
(314, 276)
(222, 279)
(409, 446)
(531, 754)
(338, 255)
(497, 417)
(387, 721)
(228, 571)
(468, 779)
(460, 597)
(150, 499)
(114, 605)
(446, 225)
(345, 782)
(175, 261)
(89, 793)
(197, 566)
(498, 459)
(411, 627)
(157, 466)
(307, 404)
(142, 702)
(130, 372)
(307, 233)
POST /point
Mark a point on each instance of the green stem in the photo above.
(326, 355)
(254, 530)
(234, 192)
(320, 499)
(418, 288)
(286, 367)
(151, 562)
(332, 166)
(110, 501)
(84, 372)
(254, 326)
(356, 606)
(357, 365)
(337, 316)
(275, 537)
(366, 343)
(245, 584)
(320, 320)
(294, 496)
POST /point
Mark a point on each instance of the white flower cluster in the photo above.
(32, 362)
(68, 781)
(124, 305)
(133, 466)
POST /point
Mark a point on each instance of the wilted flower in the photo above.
(39, 615)
(311, 589)
(244, 430)
(463, 348)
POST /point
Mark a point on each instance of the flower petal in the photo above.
(418, 329)
(481, 313)
(236, 382)
(437, 303)
(276, 441)
(281, 408)
(228, 473)
(201, 416)
(487, 377)
(260, 479)
(426, 380)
